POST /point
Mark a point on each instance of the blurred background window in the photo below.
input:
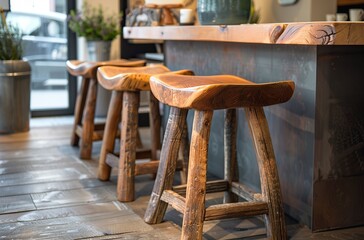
(45, 43)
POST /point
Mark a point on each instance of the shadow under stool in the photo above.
(84, 127)
(126, 84)
(205, 94)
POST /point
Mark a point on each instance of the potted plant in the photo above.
(14, 81)
(98, 30)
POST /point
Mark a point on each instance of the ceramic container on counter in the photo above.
(223, 12)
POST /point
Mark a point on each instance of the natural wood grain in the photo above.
(168, 160)
(30, 177)
(88, 121)
(306, 33)
(111, 126)
(113, 159)
(245, 192)
(128, 79)
(155, 120)
(194, 212)
(217, 92)
(88, 69)
(231, 210)
(76, 227)
(175, 200)
(96, 134)
(143, 166)
(37, 134)
(211, 187)
(155, 126)
(250, 33)
(36, 144)
(62, 212)
(16, 204)
(270, 186)
(71, 197)
(10, 163)
(156, 234)
(324, 33)
(51, 186)
(146, 168)
(184, 154)
(230, 155)
(40, 166)
(31, 152)
(80, 105)
(129, 128)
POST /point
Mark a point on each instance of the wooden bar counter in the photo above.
(318, 136)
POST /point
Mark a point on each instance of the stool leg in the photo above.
(79, 108)
(88, 121)
(194, 213)
(184, 154)
(231, 164)
(167, 166)
(129, 128)
(271, 192)
(139, 142)
(155, 126)
(110, 131)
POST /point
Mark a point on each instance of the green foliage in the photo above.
(93, 25)
(10, 41)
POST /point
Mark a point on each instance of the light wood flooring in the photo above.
(47, 192)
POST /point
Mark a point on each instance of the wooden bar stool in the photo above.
(205, 94)
(84, 127)
(126, 84)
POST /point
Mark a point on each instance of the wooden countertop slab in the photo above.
(309, 33)
(265, 33)
(323, 33)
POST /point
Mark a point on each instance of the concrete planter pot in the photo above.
(14, 96)
(98, 50)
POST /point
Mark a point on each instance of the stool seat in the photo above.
(217, 92)
(128, 79)
(131, 79)
(88, 69)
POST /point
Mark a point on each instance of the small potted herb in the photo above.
(98, 30)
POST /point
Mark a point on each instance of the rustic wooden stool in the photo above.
(84, 126)
(126, 84)
(205, 94)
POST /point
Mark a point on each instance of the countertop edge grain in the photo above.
(305, 33)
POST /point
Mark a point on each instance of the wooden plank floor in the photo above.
(47, 192)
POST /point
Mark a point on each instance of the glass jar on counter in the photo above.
(223, 12)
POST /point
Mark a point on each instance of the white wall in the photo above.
(320, 8)
(302, 11)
